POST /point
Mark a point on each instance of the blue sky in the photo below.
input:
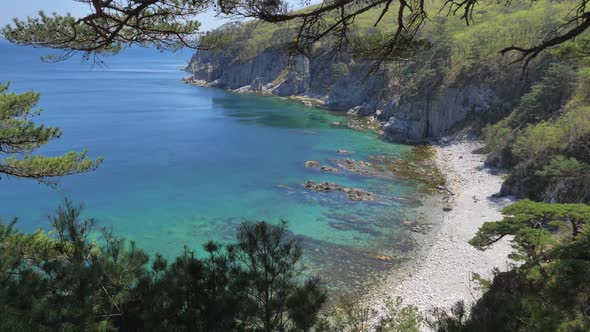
(24, 8)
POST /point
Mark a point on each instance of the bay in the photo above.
(185, 164)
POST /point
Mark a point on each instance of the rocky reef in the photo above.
(354, 194)
(324, 168)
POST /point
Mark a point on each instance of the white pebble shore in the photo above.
(442, 272)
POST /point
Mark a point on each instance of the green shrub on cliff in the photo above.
(575, 124)
(542, 102)
(497, 137)
(544, 135)
(539, 141)
(495, 26)
(562, 167)
(550, 159)
(547, 96)
(339, 70)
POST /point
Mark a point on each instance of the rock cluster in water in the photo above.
(354, 194)
(357, 166)
(324, 168)
(312, 163)
(421, 170)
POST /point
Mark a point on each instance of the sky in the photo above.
(24, 8)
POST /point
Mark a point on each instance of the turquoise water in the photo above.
(185, 164)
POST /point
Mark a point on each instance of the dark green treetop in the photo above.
(535, 224)
(548, 289)
(71, 279)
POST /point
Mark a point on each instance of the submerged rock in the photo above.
(354, 194)
(360, 167)
(322, 186)
(414, 226)
(418, 229)
(384, 258)
(312, 163)
(349, 227)
(406, 223)
(324, 168)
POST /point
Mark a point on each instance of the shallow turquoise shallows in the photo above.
(185, 164)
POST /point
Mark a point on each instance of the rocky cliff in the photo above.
(409, 108)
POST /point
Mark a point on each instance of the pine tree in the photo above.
(20, 136)
(72, 280)
(548, 290)
(113, 25)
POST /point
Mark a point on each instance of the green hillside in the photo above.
(494, 27)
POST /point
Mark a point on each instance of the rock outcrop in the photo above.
(342, 84)
(354, 194)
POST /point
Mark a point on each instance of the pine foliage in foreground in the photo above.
(69, 279)
(20, 136)
(65, 281)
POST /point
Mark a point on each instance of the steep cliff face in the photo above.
(221, 71)
(271, 71)
(343, 85)
(437, 114)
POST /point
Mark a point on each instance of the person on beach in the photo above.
(475, 199)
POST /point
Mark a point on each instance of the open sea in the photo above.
(185, 164)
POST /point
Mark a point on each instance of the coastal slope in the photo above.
(440, 89)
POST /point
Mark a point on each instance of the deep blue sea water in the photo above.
(184, 164)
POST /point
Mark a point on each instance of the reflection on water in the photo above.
(273, 112)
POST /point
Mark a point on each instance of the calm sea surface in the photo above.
(185, 164)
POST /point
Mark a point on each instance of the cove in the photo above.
(185, 164)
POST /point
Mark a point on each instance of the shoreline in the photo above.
(441, 272)
(303, 99)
